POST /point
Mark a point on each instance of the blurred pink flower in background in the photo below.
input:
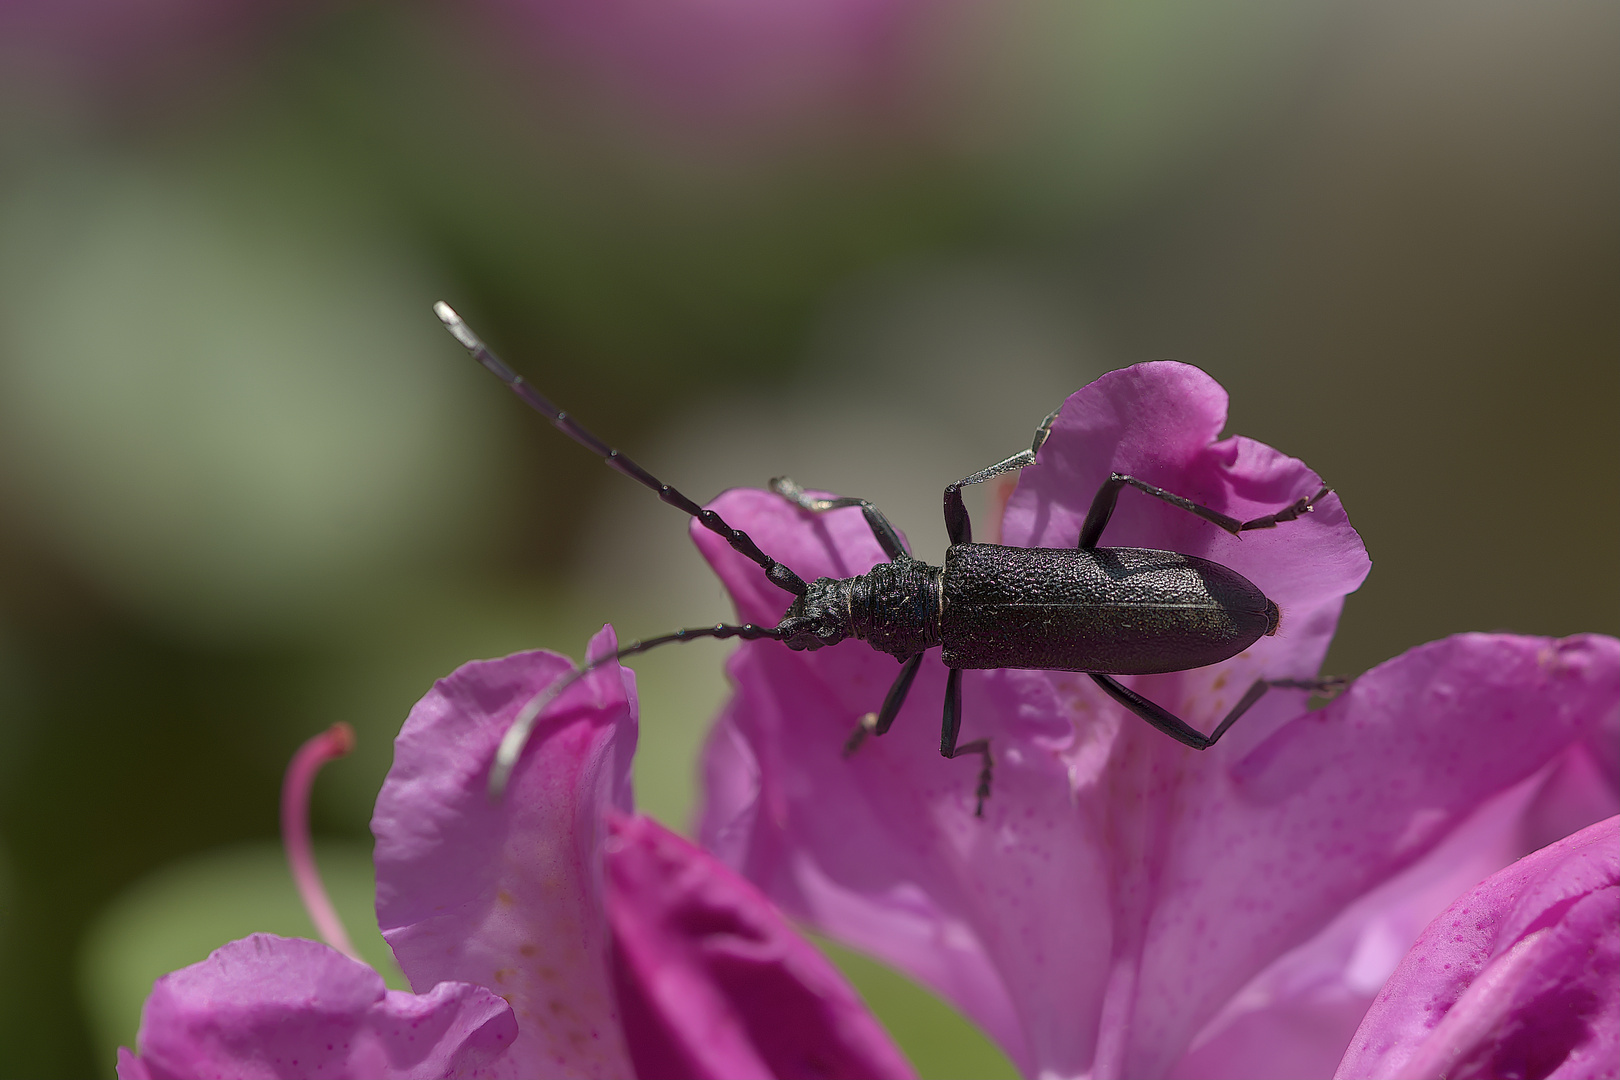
(551, 934)
(1123, 890)
(738, 63)
(716, 63)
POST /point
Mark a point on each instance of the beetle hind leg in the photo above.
(1102, 508)
(1183, 732)
(947, 739)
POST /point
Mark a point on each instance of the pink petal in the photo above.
(881, 850)
(508, 895)
(1517, 978)
(1142, 896)
(713, 983)
(131, 1067)
(1293, 1039)
(1341, 799)
(269, 1006)
(1296, 1018)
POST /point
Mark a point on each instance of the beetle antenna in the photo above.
(517, 736)
(740, 541)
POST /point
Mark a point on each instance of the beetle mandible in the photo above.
(1096, 610)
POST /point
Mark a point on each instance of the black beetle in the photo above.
(1097, 610)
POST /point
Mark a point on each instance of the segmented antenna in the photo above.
(740, 541)
(517, 736)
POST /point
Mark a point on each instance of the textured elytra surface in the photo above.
(1122, 611)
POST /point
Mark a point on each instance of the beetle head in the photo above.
(818, 618)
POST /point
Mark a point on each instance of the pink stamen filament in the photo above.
(335, 742)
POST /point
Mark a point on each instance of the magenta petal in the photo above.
(131, 1067)
(1517, 978)
(882, 849)
(1099, 916)
(1341, 799)
(1296, 1018)
(508, 895)
(1292, 1040)
(269, 1006)
(712, 981)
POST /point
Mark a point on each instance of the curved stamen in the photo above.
(332, 743)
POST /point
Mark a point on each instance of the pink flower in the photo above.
(1517, 978)
(552, 934)
(1121, 889)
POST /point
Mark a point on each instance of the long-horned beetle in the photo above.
(1098, 610)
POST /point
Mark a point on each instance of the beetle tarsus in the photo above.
(866, 726)
(982, 792)
(1327, 686)
(1287, 513)
(888, 539)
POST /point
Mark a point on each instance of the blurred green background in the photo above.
(248, 486)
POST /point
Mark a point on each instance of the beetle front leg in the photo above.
(947, 738)
(1183, 732)
(1102, 508)
(888, 539)
(879, 722)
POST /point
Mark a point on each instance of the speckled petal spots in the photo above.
(1517, 978)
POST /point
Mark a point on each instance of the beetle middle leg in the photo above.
(888, 539)
(957, 525)
(1183, 732)
(949, 729)
(1102, 508)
